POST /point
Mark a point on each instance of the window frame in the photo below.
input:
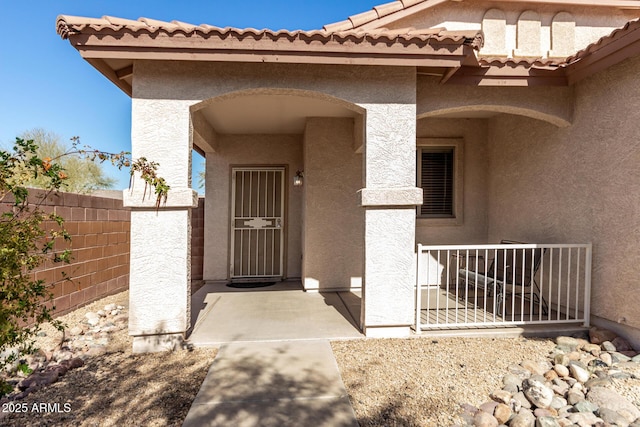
(433, 144)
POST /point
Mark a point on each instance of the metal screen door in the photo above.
(257, 219)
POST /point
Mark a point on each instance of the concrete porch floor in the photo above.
(282, 311)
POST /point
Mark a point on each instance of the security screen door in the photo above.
(257, 221)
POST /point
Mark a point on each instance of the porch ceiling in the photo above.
(268, 114)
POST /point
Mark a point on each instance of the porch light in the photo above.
(297, 180)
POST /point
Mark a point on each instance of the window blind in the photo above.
(437, 182)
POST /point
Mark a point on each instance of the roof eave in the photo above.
(622, 44)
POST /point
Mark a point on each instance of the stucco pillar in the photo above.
(160, 276)
(389, 198)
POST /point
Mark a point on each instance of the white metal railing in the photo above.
(507, 284)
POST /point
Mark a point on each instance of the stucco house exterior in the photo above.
(532, 105)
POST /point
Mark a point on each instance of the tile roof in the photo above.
(520, 62)
(376, 13)
(630, 31)
(384, 13)
(69, 25)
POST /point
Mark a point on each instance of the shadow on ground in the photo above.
(272, 384)
(121, 389)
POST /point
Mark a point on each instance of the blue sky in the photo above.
(46, 84)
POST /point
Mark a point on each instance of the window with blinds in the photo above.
(436, 176)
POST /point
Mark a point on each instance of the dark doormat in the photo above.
(250, 285)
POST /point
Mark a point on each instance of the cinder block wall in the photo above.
(197, 241)
(99, 229)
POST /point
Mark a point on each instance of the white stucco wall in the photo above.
(333, 218)
(578, 184)
(388, 96)
(249, 150)
(554, 104)
(474, 226)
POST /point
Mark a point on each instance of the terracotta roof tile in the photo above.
(68, 25)
(387, 8)
(520, 62)
(618, 34)
(377, 12)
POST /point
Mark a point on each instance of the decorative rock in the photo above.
(545, 412)
(599, 335)
(567, 342)
(114, 312)
(561, 370)
(619, 357)
(482, 419)
(564, 422)
(612, 417)
(522, 400)
(501, 396)
(101, 313)
(592, 348)
(636, 359)
(574, 397)
(621, 344)
(621, 375)
(585, 406)
(539, 378)
(110, 307)
(523, 419)
(519, 371)
(93, 319)
(551, 375)
(502, 413)
(38, 379)
(512, 379)
(585, 419)
(578, 372)
(597, 364)
(533, 367)
(560, 390)
(515, 405)
(537, 393)
(558, 402)
(598, 382)
(547, 422)
(611, 399)
(574, 355)
(60, 355)
(565, 411)
(606, 358)
(489, 407)
(511, 388)
(561, 359)
(608, 346)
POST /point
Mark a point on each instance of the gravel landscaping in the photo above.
(89, 377)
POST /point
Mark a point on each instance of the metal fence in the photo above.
(507, 284)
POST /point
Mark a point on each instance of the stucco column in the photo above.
(160, 276)
(389, 198)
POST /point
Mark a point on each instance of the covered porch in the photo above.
(280, 311)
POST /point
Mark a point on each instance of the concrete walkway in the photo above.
(275, 366)
(283, 383)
